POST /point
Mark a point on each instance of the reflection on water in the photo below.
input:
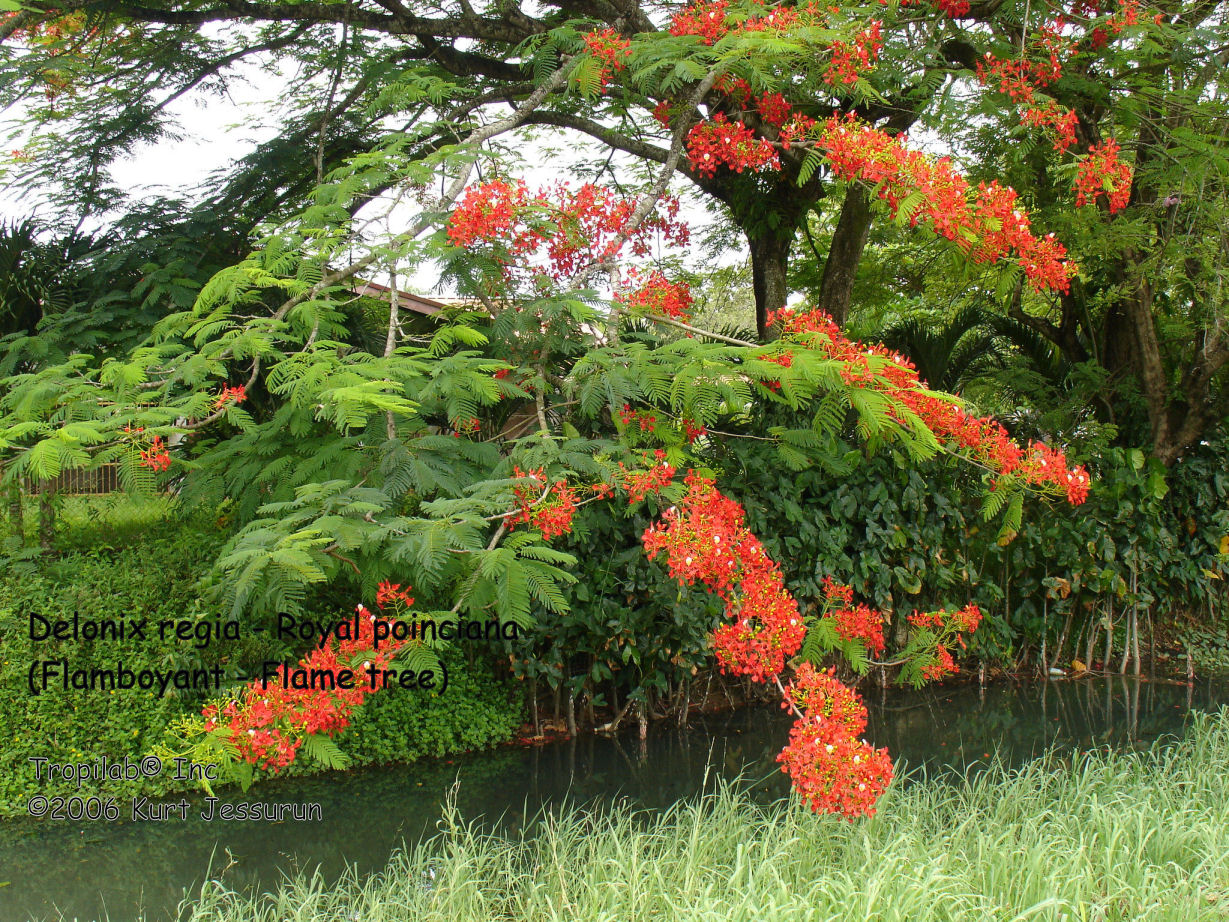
(85, 870)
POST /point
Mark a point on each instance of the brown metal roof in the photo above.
(416, 303)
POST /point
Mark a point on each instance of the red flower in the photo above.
(550, 511)
(268, 721)
(391, 593)
(720, 142)
(230, 395)
(610, 48)
(706, 20)
(841, 775)
(155, 457)
(1101, 167)
(836, 592)
(993, 218)
(654, 478)
(691, 430)
(658, 295)
(773, 109)
(943, 664)
(982, 439)
(850, 62)
(860, 623)
(567, 229)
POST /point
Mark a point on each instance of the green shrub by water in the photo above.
(116, 560)
(1136, 836)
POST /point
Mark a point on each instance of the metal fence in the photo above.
(79, 482)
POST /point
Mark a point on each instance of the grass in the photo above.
(1110, 836)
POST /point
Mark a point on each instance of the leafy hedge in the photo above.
(152, 573)
(904, 538)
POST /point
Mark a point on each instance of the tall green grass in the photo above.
(1110, 836)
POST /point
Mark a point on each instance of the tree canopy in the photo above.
(1081, 194)
(1115, 107)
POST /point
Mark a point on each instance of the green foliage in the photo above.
(118, 577)
(629, 632)
(480, 709)
(118, 562)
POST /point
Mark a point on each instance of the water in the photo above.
(85, 871)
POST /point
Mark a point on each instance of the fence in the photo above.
(79, 482)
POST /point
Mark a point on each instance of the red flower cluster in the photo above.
(850, 62)
(267, 724)
(796, 129)
(782, 18)
(943, 665)
(842, 775)
(706, 20)
(993, 218)
(658, 295)
(1126, 15)
(1063, 122)
(691, 430)
(963, 620)
(486, 212)
(570, 229)
(550, 510)
(837, 592)
(1043, 465)
(653, 478)
(1100, 172)
(721, 142)
(983, 439)
(388, 593)
(155, 457)
(230, 395)
(831, 768)
(646, 421)
(1102, 168)
(1019, 78)
(860, 623)
(610, 48)
(773, 109)
(852, 622)
(736, 88)
(948, 626)
(706, 540)
(661, 113)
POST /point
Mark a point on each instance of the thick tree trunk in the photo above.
(1178, 420)
(769, 259)
(852, 229)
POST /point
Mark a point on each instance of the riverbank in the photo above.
(1114, 836)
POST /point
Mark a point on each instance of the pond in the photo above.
(86, 871)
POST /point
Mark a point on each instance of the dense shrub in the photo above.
(152, 572)
(904, 538)
(150, 576)
(479, 709)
